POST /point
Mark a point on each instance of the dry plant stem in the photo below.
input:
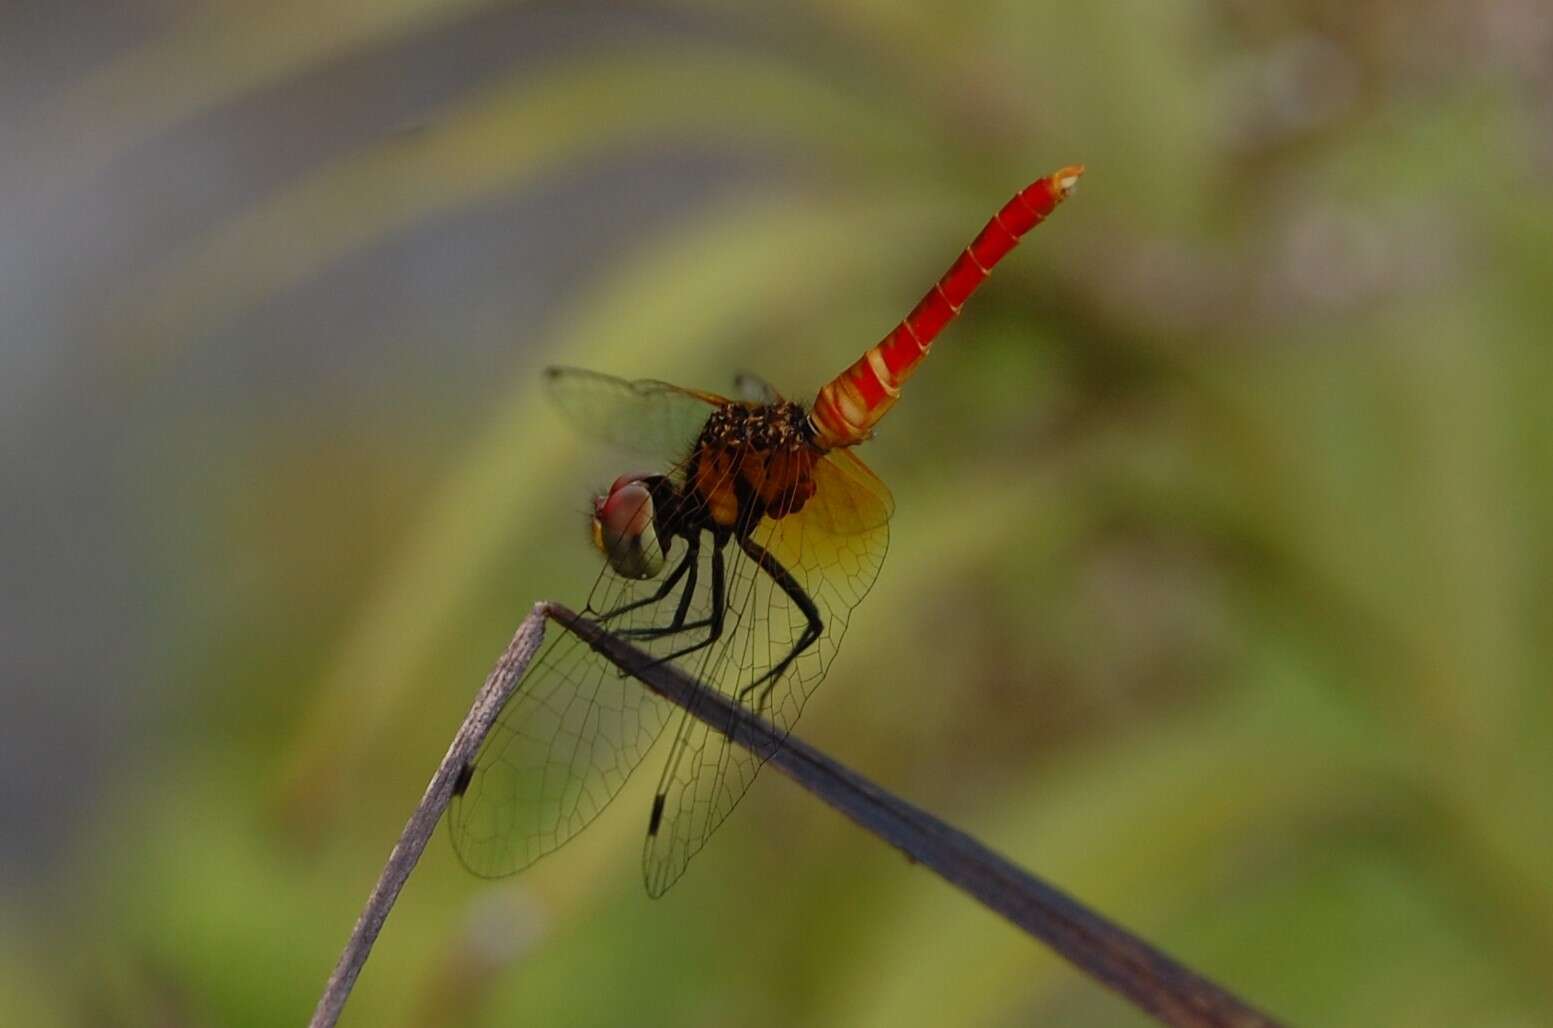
(1105, 951)
(488, 704)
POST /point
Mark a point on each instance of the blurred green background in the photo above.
(1219, 588)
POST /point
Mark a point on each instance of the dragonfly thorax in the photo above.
(752, 461)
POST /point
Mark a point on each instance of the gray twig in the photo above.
(502, 680)
(1105, 951)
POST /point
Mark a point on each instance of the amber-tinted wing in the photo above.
(833, 549)
(646, 417)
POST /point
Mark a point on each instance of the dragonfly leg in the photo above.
(687, 564)
(714, 621)
(795, 592)
(677, 624)
(689, 592)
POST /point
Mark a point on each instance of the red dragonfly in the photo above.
(742, 561)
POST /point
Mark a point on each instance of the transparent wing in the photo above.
(575, 727)
(751, 388)
(646, 417)
(832, 549)
(567, 741)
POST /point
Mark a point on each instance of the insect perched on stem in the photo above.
(742, 560)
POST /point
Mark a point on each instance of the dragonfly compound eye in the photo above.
(623, 530)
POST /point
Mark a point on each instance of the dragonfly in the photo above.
(740, 556)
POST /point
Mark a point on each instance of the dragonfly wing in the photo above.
(566, 742)
(751, 388)
(833, 549)
(645, 417)
(576, 726)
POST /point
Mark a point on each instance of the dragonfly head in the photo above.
(624, 529)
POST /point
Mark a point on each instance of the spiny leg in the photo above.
(677, 623)
(667, 586)
(713, 619)
(795, 592)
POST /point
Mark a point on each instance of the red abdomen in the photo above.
(850, 405)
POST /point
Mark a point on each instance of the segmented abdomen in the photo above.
(850, 405)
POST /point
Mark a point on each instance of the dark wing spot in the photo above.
(657, 814)
(461, 783)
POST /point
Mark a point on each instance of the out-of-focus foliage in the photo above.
(1219, 589)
